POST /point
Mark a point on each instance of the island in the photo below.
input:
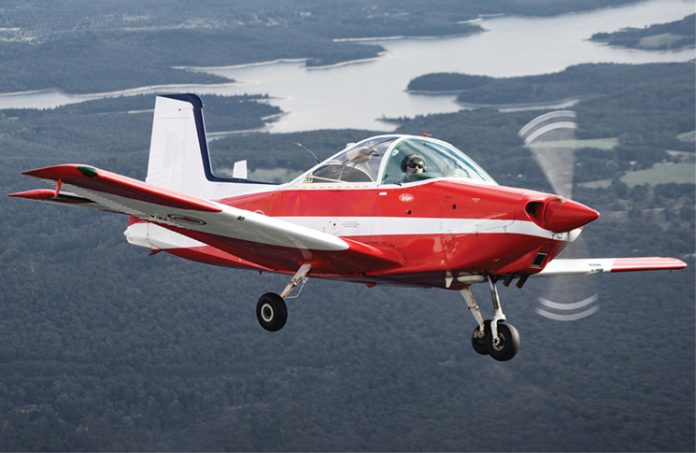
(670, 36)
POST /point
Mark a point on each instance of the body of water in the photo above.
(358, 95)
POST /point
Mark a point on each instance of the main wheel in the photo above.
(479, 340)
(507, 345)
(271, 312)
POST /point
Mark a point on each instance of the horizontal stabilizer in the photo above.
(51, 195)
(598, 265)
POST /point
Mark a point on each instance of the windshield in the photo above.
(416, 159)
(359, 163)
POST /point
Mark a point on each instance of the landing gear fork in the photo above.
(498, 314)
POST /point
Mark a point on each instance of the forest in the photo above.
(103, 347)
(669, 36)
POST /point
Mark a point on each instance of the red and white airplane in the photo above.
(389, 210)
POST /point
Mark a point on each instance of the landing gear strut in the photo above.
(271, 310)
(492, 337)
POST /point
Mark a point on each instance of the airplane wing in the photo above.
(267, 241)
(598, 265)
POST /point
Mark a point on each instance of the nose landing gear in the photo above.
(493, 337)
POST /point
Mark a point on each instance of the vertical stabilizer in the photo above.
(179, 158)
(176, 156)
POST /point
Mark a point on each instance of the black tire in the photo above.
(508, 344)
(271, 312)
(480, 344)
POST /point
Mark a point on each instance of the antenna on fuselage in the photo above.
(309, 151)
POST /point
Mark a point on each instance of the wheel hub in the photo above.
(267, 312)
(498, 343)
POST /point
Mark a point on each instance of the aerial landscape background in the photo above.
(103, 347)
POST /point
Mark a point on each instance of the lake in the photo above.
(359, 94)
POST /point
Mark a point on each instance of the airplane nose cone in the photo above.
(565, 215)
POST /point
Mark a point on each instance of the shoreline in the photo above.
(116, 93)
(524, 106)
(379, 56)
(242, 65)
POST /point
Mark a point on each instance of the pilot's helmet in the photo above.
(413, 160)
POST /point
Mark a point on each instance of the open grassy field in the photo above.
(659, 41)
(605, 144)
(278, 175)
(661, 173)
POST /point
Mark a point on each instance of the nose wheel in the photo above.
(506, 344)
(493, 337)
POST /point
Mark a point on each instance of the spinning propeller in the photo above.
(551, 140)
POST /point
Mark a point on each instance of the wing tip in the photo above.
(681, 264)
(62, 171)
(654, 263)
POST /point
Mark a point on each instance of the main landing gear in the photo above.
(271, 310)
(492, 337)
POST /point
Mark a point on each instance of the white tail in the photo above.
(179, 158)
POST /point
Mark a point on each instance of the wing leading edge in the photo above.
(267, 241)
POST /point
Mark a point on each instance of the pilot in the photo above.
(411, 165)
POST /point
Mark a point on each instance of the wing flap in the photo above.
(599, 265)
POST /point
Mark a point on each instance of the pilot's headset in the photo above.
(412, 158)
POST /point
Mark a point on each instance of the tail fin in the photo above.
(179, 158)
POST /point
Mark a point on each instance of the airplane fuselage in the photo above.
(436, 229)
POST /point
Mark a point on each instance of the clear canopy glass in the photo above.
(386, 160)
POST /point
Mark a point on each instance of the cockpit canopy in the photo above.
(386, 160)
